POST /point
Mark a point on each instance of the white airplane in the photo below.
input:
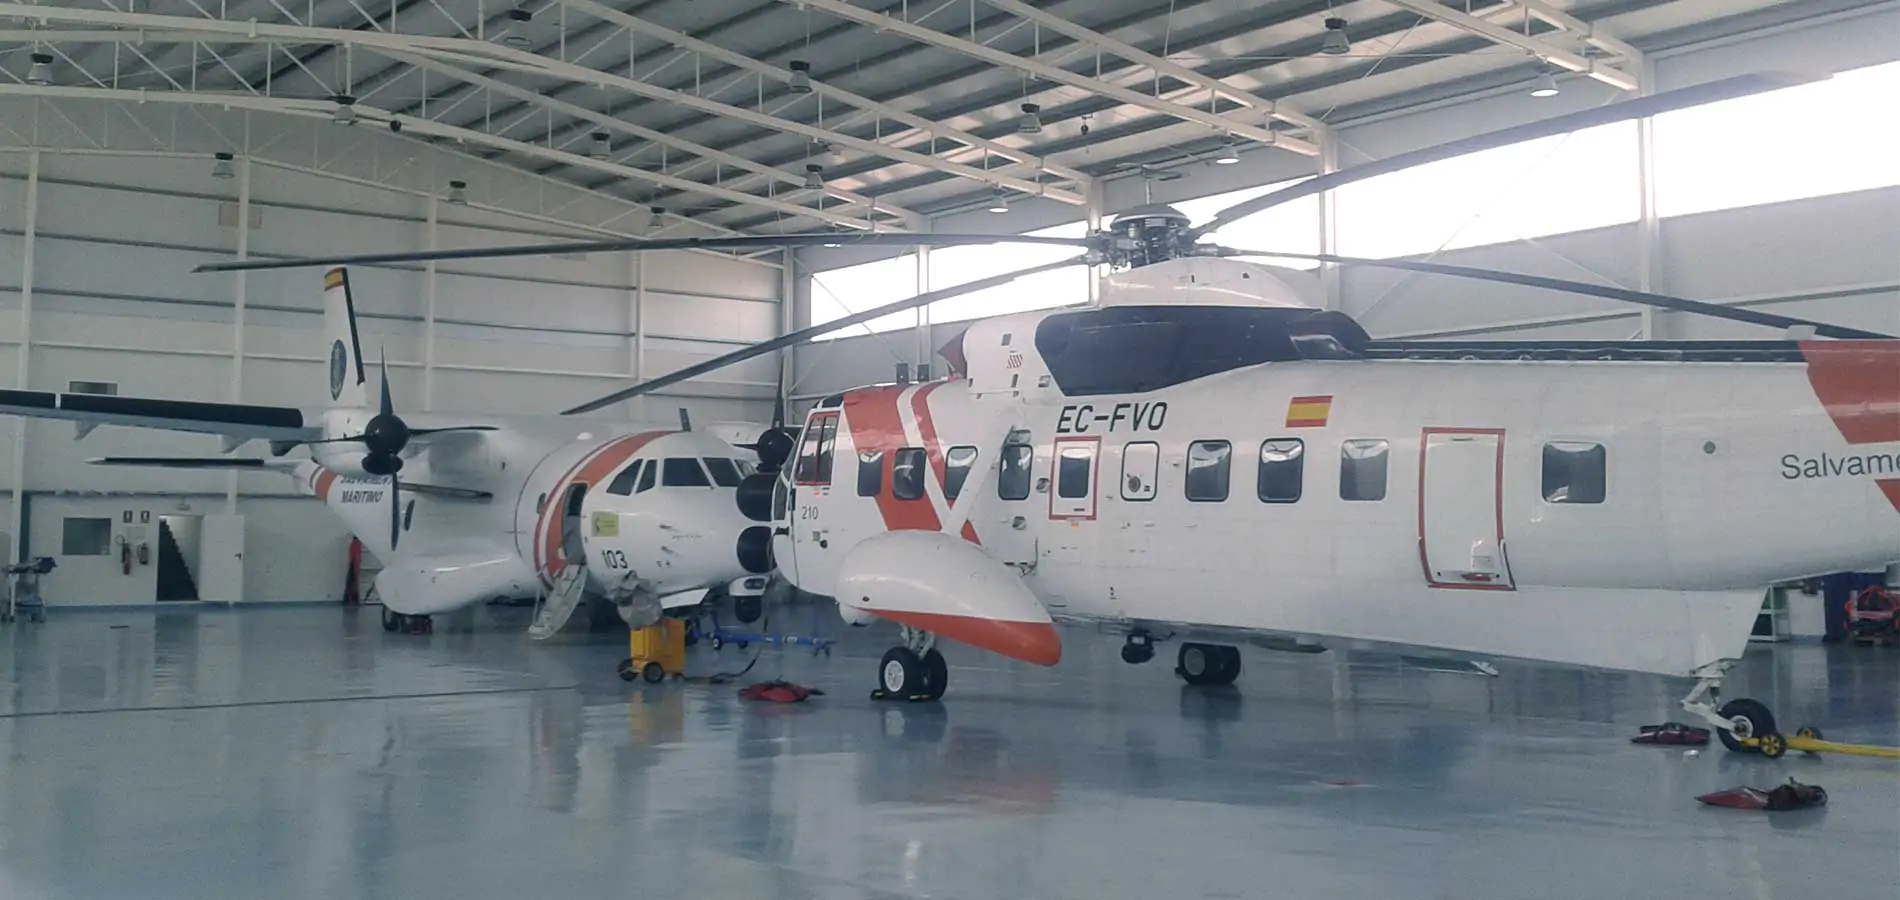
(1206, 454)
(639, 514)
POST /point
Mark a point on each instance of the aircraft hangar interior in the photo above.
(949, 448)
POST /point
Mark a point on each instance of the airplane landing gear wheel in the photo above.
(1747, 719)
(391, 621)
(901, 675)
(936, 675)
(1207, 663)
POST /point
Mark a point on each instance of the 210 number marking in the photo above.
(613, 559)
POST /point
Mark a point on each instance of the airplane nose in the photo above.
(755, 549)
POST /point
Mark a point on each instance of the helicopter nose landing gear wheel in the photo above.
(1139, 648)
(915, 671)
(1207, 663)
(401, 623)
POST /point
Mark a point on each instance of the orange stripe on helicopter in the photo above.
(933, 449)
(604, 460)
(1858, 383)
(1309, 412)
(876, 426)
(1031, 642)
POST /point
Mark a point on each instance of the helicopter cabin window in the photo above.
(623, 483)
(957, 464)
(815, 450)
(870, 473)
(1282, 470)
(1362, 464)
(907, 473)
(1072, 471)
(1574, 472)
(1012, 482)
(725, 472)
(1141, 465)
(1209, 464)
(683, 472)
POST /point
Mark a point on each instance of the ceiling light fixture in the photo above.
(345, 113)
(603, 145)
(1228, 155)
(222, 167)
(1000, 204)
(1336, 41)
(1030, 123)
(458, 193)
(801, 77)
(515, 34)
(1545, 85)
(814, 180)
(40, 73)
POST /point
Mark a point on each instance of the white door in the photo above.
(1073, 475)
(1461, 522)
(221, 561)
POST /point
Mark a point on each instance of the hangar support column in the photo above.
(16, 549)
(239, 297)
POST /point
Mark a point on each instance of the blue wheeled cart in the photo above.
(707, 627)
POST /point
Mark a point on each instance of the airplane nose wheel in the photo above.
(915, 671)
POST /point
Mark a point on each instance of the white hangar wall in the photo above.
(122, 204)
(1834, 257)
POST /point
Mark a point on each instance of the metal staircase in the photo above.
(556, 608)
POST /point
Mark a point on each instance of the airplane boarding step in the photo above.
(559, 606)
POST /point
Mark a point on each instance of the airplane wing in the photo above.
(233, 420)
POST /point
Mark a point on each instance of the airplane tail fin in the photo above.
(348, 387)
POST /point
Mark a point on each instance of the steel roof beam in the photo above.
(741, 61)
(1130, 52)
(1595, 68)
(1588, 31)
(921, 34)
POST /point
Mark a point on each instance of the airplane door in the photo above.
(1461, 521)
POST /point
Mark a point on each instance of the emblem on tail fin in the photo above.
(339, 361)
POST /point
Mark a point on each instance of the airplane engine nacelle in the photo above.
(948, 586)
(436, 583)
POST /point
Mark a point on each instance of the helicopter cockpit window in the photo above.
(1573, 472)
(815, 450)
(1012, 482)
(1362, 464)
(623, 483)
(1282, 470)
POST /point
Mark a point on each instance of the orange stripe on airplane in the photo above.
(321, 484)
(1858, 383)
(592, 468)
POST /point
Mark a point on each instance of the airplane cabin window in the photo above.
(1282, 470)
(1362, 464)
(1141, 466)
(1072, 474)
(623, 483)
(1574, 472)
(683, 472)
(1012, 483)
(1209, 464)
(907, 473)
(956, 469)
(725, 472)
(649, 474)
(870, 473)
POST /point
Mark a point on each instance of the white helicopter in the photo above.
(1206, 454)
(637, 516)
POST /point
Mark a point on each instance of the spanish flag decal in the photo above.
(1308, 412)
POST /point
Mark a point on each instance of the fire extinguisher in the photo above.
(145, 554)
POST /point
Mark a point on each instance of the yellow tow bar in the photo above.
(1809, 740)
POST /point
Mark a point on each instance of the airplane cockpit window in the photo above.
(1574, 472)
(870, 473)
(956, 469)
(725, 472)
(1282, 470)
(683, 472)
(1012, 482)
(649, 475)
(815, 450)
(1362, 464)
(907, 473)
(1209, 464)
(623, 483)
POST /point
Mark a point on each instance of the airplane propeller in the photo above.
(1143, 237)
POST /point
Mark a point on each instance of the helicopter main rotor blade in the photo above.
(805, 334)
(1661, 301)
(1641, 107)
(741, 242)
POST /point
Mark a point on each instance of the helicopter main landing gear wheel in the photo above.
(1207, 663)
(915, 671)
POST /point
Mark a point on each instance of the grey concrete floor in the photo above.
(301, 752)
